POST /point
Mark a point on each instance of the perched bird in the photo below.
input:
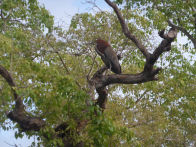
(108, 55)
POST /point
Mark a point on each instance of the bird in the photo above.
(108, 55)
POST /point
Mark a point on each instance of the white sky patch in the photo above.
(64, 10)
(7, 139)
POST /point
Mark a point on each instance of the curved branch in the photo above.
(149, 73)
(19, 115)
(101, 81)
(126, 31)
(164, 46)
(126, 78)
(6, 75)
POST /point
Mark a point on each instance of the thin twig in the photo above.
(91, 66)
(141, 96)
(64, 65)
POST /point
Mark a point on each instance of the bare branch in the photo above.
(101, 90)
(141, 97)
(101, 81)
(64, 65)
(164, 46)
(180, 28)
(102, 99)
(93, 3)
(5, 74)
(149, 74)
(11, 144)
(126, 31)
(100, 72)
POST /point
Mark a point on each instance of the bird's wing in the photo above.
(99, 53)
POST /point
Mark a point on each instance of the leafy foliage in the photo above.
(50, 65)
(180, 13)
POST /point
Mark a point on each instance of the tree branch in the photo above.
(100, 81)
(184, 31)
(19, 115)
(63, 63)
(126, 31)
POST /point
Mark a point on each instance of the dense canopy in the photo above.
(55, 87)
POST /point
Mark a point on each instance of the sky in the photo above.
(62, 10)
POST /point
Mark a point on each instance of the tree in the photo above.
(50, 77)
(177, 14)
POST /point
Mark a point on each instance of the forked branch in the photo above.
(126, 31)
(148, 74)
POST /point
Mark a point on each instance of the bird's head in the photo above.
(101, 45)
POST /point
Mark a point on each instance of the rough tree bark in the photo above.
(99, 81)
(148, 74)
